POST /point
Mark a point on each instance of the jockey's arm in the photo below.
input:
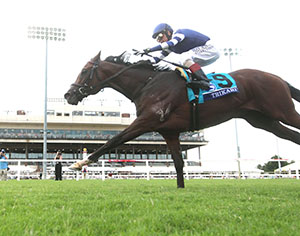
(169, 44)
(163, 54)
(165, 47)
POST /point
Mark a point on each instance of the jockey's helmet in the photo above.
(162, 28)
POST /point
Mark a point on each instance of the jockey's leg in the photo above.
(198, 72)
(199, 79)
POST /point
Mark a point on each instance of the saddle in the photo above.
(221, 84)
(190, 82)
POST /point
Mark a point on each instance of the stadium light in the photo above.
(229, 52)
(53, 34)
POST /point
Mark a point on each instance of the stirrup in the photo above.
(200, 78)
(200, 75)
(199, 84)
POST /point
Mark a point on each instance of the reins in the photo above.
(137, 52)
(84, 88)
(118, 73)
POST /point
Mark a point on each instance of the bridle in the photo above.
(83, 90)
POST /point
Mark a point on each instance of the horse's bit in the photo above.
(84, 89)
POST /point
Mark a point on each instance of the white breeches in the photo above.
(203, 55)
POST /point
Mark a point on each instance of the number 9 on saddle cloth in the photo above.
(221, 84)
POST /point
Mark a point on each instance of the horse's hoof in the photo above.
(75, 167)
(78, 165)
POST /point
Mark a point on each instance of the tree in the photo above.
(273, 165)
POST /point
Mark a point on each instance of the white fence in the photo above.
(129, 169)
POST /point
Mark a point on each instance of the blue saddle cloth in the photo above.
(221, 84)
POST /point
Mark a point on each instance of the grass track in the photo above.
(156, 207)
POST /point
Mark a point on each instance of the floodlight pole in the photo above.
(278, 158)
(230, 52)
(45, 116)
(47, 34)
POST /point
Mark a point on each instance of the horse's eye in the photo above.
(83, 71)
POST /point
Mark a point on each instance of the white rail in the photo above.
(126, 169)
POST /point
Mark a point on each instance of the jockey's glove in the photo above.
(142, 53)
(147, 50)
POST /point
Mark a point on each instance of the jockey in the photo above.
(193, 46)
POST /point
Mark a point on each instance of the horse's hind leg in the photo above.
(262, 121)
(291, 118)
(174, 146)
(283, 109)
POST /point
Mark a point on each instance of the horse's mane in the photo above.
(146, 64)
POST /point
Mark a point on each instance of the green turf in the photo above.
(156, 207)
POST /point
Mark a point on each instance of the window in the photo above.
(21, 112)
(51, 112)
(77, 113)
(109, 113)
(90, 113)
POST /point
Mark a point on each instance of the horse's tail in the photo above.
(294, 92)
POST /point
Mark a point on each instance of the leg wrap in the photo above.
(195, 67)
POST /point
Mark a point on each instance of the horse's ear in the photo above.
(98, 56)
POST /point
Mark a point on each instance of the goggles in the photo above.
(159, 37)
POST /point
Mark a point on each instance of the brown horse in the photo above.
(160, 97)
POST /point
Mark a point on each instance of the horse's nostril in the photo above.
(67, 95)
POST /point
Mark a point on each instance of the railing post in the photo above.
(77, 175)
(103, 170)
(148, 170)
(19, 170)
(186, 170)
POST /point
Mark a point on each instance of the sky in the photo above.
(265, 32)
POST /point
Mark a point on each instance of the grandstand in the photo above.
(87, 125)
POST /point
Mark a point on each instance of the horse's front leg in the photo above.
(174, 146)
(137, 128)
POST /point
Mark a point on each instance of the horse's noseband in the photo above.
(83, 89)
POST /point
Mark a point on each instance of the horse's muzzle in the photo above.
(71, 98)
(67, 95)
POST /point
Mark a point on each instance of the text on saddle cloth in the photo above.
(221, 84)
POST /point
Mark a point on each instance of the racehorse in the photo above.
(160, 97)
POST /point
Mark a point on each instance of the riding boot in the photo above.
(199, 79)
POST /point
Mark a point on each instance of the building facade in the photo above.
(88, 125)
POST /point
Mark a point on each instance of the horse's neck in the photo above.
(129, 83)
